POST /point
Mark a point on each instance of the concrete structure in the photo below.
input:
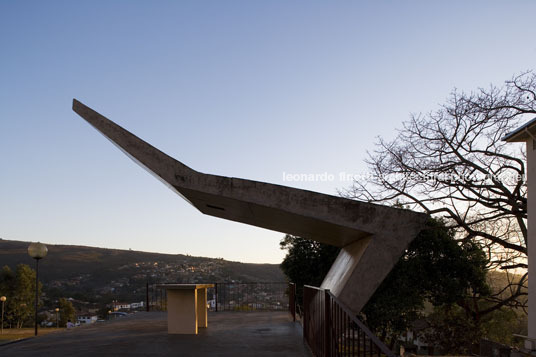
(186, 307)
(527, 134)
(372, 237)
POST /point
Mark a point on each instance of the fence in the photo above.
(249, 297)
(272, 296)
(331, 329)
(292, 300)
(156, 298)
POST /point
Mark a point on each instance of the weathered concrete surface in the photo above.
(383, 232)
(145, 334)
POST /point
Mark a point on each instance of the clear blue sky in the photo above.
(250, 89)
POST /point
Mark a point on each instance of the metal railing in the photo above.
(292, 300)
(156, 298)
(270, 296)
(248, 297)
(331, 329)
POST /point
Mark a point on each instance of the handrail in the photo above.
(313, 287)
(362, 326)
(292, 300)
(330, 328)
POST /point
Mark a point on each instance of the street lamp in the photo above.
(3, 299)
(37, 251)
(57, 319)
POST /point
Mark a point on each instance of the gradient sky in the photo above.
(249, 89)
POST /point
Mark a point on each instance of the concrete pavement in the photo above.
(145, 334)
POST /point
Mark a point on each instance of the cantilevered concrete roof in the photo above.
(370, 234)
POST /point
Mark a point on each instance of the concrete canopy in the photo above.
(372, 237)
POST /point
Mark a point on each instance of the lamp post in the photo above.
(3, 299)
(37, 251)
(57, 319)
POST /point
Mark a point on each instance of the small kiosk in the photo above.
(186, 307)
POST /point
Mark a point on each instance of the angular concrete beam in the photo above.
(372, 236)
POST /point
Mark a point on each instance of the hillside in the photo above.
(65, 261)
(99, 271)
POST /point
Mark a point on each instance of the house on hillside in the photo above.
(137, 305)
(127, 306)
(121, 306)
(87, 319)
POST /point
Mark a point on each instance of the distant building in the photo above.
(127, 306)
(137, 305)
(87, 319)
(121, 306)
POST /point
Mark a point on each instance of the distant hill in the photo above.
(101, 265)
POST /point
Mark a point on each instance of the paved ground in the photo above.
(144, 334)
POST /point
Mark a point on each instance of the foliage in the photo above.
(501, 325)
(307, 262)
(7, 281)
(452, 163)
(67, 312)
(19, 289)
(452, 331)
(103, 312)
(434, 268)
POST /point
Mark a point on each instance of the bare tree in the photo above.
(452, 163)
